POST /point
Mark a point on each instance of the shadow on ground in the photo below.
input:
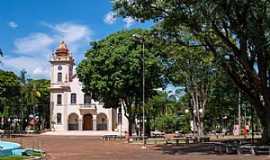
(191, 149)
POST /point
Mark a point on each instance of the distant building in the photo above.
(71, 109)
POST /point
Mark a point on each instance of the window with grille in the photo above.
(59, 77)
(73, 98)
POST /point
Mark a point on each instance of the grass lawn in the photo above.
(13, 158)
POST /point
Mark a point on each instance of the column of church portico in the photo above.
(95, 122)
(65, 116)
(80, 123)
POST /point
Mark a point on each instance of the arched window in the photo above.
(59, 77)
(87, 99)
(73, 98)
(59, 118)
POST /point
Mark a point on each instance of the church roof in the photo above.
(62, 49)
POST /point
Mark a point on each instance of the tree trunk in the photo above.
(266, 131)
(129, 115)
(201, 128)
(197, 106)
(147, 127)
(130, 125)
(264, 117)
(263, 112)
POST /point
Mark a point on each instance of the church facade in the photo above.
(73, 110)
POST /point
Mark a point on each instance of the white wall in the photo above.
(67, 108)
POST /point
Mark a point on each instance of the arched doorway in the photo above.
(87, 122)
(102, 122)
(73, 122)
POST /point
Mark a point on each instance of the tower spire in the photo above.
(62, 49)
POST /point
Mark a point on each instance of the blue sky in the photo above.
(31, 29)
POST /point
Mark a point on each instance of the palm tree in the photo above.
(29, 98)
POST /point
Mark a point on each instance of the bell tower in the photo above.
(62, 64)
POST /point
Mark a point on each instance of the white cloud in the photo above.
(12, 24)
(33, 50)
(73, 34)
(110, 18)
(35, 43)
(40, 70)
(35, 66)
(129, 21)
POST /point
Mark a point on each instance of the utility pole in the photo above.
(143, 79)
(141, 39)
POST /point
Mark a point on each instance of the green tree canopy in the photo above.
(236, 31)
(193, 68)
(9, 84)
(35, 100)
(19, 98)
(167, 114)
(9, 91)
(112, 70)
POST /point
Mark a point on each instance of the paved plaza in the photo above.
(94, 148)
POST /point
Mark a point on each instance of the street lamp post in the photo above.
(141, 40)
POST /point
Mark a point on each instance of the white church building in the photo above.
(73, 110)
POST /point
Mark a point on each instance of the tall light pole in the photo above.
(141, 40)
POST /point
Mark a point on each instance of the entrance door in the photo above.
(87, 122)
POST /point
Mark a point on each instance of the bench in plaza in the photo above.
(221, 148)
(157, 134)
(218, 147)
(246, 149)
(262, 150)
(234, 148)
(256, 150)
(112, 137)
(187, 140)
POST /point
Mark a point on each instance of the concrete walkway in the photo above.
(81, 133)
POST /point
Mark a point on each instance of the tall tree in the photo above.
(40, 91)
(194, 69)
(236, 31)
(35, 101)
(223, 103)
(112, 71)
(9, 93)
(9, 84)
